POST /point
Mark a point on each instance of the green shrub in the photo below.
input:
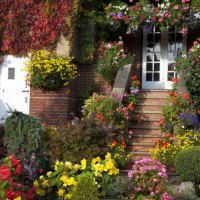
(186, 197)
(78, 139)
(187, 164)
(86, 188)
(23, 134)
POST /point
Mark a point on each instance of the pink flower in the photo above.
(166, 15)
(130, 1)
(176, 7)
(124, 56)
(120, 42)
(110, 46)
(160, 19)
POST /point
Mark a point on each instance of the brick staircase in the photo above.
(146, 131)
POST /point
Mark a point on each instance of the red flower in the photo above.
(123, 142)
(165, 144)
(18, 169)
(14, 160)
(195, 43)
(40, 171)
(186, 96)
(134, 77)
(175, 80)
(4, 173)
(130, 106)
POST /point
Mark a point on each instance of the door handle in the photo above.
(25, 90)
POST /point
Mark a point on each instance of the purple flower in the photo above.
(134, 90)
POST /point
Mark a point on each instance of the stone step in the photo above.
(153, 94)
(145, 125)
(147, 116)
(152, 101)
(140, 132)
(145, 138)
(141, 147)
(147, 108)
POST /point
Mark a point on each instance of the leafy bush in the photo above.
(23, 134)
(49, 71)
(86, 188)
(72, 141)
(187, 164)
(186, 197)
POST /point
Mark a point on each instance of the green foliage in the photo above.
(78, 139)
(186, 197)
(121, 187)
(23, 134)
(86, 188)
(187, 164)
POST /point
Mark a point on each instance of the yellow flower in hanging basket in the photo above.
(49, 71)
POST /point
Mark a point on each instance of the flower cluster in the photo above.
(190, 138)
(108, 108)
(165, 152)
(111, 57)
(11, 188)
(66, 175)
(132, 94)
(164, 14)
(189, 67)
(148, 176)
(49, 71)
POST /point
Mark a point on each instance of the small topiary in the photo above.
(187, 164)
(86, 188)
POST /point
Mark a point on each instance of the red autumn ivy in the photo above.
(31, 24)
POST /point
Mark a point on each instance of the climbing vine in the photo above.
(32, 24)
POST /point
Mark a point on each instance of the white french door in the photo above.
(160, 48)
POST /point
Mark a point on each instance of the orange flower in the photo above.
(130, 106)
(186, 96)
(195, 43)
(114, 144)
(165, 145)
(134, 77)
(123, 142)
(137, 83)
(175, 80)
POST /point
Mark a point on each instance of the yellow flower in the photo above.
(40, 192)
(68, 165)
(83, 164)
(64, 179)
(76, 167)
(99, 167)
(95, 160)
(71, 181)
(108, 156)
(45, 184)
(36, 184)
(61, 192)
(49, 173)
(68, 196)
(17, 198)
(109, 165)
(114, 171)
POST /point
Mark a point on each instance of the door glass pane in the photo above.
(171, 56)
(157, 38)
(150, 47)
(149, 67)
(156, 66)
(157, 57)
(157, 47)
(156, 76)
(149, 56)
(11, 73)
(170, 76)
(171, 67)
(149, 77)
(150, 37)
